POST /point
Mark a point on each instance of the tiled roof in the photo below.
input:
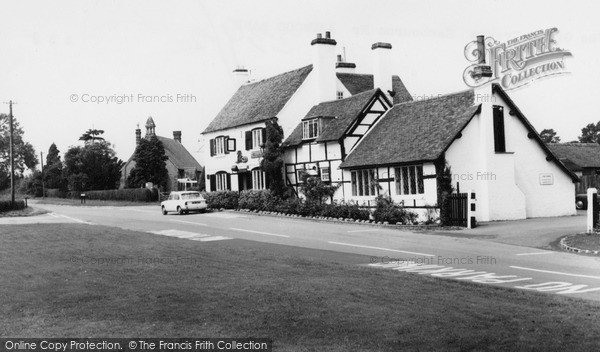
(259, 101)
(414, 131)
(178, 154)
(343, 112)
(355, 82)
(402, 95)
(573, 155)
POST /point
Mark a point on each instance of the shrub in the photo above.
(386, 210)
(128, 194)
(345, 210)
(222, 199)
(6, 205)
(258, 200)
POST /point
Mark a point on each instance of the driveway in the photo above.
(535, 232)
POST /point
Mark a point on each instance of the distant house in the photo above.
(184, 170)
(488, 143)
(236, 135)
(583, 159)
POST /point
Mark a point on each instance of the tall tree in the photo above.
(24, 154)
(92, 135)
(53, 170)
(549, 136)
(92, 167)
(590, 133)
(272, 162)
(150, 164)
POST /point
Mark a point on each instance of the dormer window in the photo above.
(310, 128)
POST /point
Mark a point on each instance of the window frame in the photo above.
(310, 128)
(221, 183)
(220, 145)
(364, 183)
(408, 180)
(258, 179)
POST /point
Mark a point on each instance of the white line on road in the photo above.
(371, 230)
(535, 253)
(73, 219)
(556, 272)
(189, 222)
(259, 232)
(382, 249)
(146, 211)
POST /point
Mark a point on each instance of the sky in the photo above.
(59, 59)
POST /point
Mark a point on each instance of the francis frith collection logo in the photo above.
(517, 62)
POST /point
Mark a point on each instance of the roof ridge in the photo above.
(279, 75)
(439, 96)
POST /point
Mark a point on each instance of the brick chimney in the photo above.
(138, 135)
(382, 66)
(481, 70)
(177, 136)
(241, 75)
(323, 60)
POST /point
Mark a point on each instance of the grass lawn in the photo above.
(585, 241)
(305, 300)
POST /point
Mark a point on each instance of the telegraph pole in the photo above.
(42, 161)
(12, 157)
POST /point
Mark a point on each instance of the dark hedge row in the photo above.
(127, 194)
(6, 205)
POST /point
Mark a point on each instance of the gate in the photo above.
(458, 209)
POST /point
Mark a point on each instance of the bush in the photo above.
(222, 199)
(345, 210)
(263, 200)
(128, 194)
(6, 205)
(386, 210)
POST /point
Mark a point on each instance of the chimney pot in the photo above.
(339, 57)
(328, 35)
(138, 136)
(319, 36)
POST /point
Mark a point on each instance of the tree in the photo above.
(92, 167)
(92, 135)
(24, 154)
(53, 170)
(315, 190)
(549, 136)
(150, 164)
(272, 162)
(590, 133)
(444, 189)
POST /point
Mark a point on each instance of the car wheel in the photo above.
(186, 212)
(180, 211)
(164, 211)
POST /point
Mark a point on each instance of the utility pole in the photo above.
(12, 158)
(42, 161)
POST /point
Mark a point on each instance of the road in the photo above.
(442, 255)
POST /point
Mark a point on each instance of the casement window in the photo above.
(256, 138)
(310, 129)
(258, 179)
(409, 180)
(222, 145)
(340, 95)
(222, 181)
(364, 183)
(499, 136)
(325, 176)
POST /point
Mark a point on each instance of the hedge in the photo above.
(6, 205)
(222, 199)
(127, 194)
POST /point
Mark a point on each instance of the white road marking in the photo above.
(145, 211)
(371, 230)
(536, 253)
(259, 232)
(382, 249)
(189, 222)
(556, 272)
(73, 219)
(190, 235)
(224, 215)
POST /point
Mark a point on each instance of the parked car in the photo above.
(581, 201)
(183, 202)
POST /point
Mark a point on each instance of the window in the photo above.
(325, 174)
(364, 183)
(310, 129)
(340, 95)
(499, 138)
(258, 179)
(221, 181)
(218, 146)
(409, 180)
(256, 138)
